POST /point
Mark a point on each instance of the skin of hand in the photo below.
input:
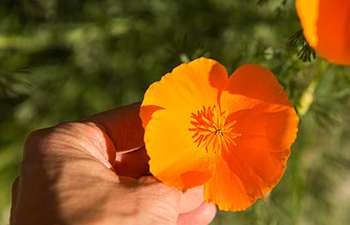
(79, 173)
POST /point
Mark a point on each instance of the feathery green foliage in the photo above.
(63, 60)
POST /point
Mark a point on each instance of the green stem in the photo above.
(308, 96)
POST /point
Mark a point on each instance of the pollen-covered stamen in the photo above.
(212, 130)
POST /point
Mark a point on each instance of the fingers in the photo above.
(133, 164)
(123, 125)
(157, 202)
(105, 136)
(14, 199)
(203, 215)
(191, 199)
(167, 202)
(193, 210)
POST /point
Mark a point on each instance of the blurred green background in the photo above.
(63, 60)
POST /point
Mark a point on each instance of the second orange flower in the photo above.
(231, 134)
(326, 26)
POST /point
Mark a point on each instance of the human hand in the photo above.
(80, 173)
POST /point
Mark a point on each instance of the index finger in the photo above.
(124, 127)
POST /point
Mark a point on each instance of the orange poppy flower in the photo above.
(232, 134)
(326, 25)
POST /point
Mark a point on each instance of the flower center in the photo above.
(212, 130)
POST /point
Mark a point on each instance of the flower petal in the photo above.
(254, 94)
(260, 153)
(327, 33)
(257, 161)
(174, 158)
(166, 114)
(308, 14)
(258, 127)
(190, 85)
(264, 146)
(226, 189)
(267, 126)
(256, 82)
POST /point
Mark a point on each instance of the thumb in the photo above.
(159, 203)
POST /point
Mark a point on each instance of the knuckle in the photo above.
(43, 135)
(36, 136)
(34, 141)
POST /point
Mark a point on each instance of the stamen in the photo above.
(211, 130)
